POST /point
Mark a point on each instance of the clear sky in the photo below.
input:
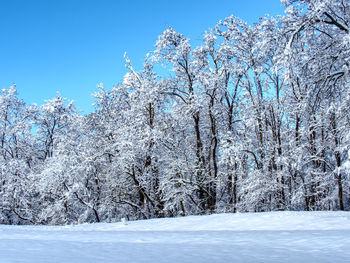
(69, 46)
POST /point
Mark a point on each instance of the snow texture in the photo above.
(260, 237)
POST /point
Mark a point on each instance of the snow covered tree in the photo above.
(255, 118)
(16, 158)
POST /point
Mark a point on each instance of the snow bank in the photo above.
(247, 237)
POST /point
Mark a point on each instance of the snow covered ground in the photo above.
(260, 237)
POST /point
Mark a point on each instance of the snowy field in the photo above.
(261, 237)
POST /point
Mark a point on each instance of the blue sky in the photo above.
(64, 46)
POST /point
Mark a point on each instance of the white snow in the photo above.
(247, 237)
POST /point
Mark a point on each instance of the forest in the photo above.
(256, 118)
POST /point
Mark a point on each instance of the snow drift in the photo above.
(260, 237)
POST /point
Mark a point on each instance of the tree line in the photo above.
(256, 118)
